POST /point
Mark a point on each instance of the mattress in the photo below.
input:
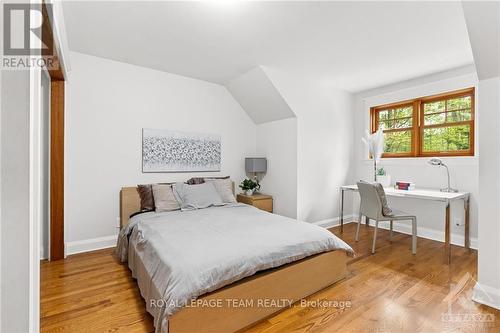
(181, 255)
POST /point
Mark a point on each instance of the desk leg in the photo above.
(466, 231)
(447, 246)
(341, 210)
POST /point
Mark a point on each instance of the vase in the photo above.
(384, 180)
(249, 192)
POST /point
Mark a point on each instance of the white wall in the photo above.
(15, 201)
(107, 105)
(277, 141)
(463, 170)
(324, 144)
(488, 289)
(1, 192)
(483, 26)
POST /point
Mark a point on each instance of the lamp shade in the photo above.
(436, 161)
(255, 164)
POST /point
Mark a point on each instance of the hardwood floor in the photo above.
(391, 291)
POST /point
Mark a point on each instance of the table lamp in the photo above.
(255, 165)
(439, 162)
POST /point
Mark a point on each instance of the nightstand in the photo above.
(261, 201)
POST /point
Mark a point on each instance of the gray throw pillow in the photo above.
(224, 187)
(386, 210)
(196, 196)
(195, 181)
(164, 198)
(146, 195)
(201, 180)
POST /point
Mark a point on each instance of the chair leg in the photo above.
(357, 228)
(375, 236)
(414, 236)
(390, 234)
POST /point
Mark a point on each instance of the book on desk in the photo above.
(404, 185)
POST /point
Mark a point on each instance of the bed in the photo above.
(196, 273)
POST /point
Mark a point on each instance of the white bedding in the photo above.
(178, 256)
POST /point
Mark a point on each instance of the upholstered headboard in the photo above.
(130, 203)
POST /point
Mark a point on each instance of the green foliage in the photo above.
(397, 142)
(436, 139)
(447, 138)
(439, 106)
(249, 184)
(396, 118)
(380, 172)
(450, 111)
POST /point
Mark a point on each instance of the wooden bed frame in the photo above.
(290, 282)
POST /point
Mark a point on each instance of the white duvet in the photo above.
(178, 256)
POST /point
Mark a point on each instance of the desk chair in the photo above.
(372, 207)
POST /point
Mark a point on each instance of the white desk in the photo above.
(424, 194)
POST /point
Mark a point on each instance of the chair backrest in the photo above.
(371, 205)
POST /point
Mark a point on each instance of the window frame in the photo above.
(418, 124)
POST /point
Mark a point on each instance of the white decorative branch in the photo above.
(375, 144)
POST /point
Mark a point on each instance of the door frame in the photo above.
(57, 97)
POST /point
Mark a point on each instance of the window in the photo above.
(441, 125)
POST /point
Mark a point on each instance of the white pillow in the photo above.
(164, 198)
(197, 196)
(225, 189)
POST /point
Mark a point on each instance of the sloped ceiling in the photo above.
(259, 97)
(352, 45)
(483, 26)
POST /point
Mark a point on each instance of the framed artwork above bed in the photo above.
(174, 151)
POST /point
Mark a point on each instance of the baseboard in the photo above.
(486, 295)
(93, 244)
(328, 223)
(404, 228)
(43, 256)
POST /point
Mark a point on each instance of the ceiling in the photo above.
(352, 45)
(483, 25)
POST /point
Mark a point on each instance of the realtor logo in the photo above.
(22, 27)
(467, 315)
(23, 47)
